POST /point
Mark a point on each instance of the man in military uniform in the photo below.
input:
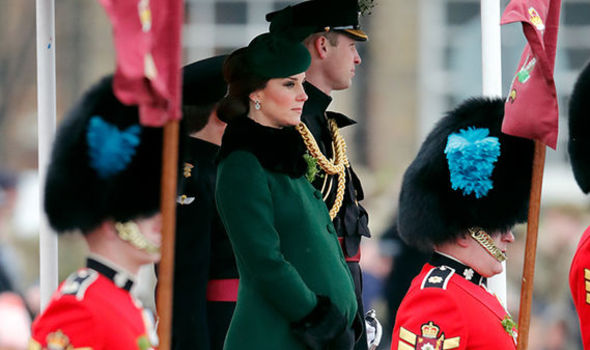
(330, 30)
(205, 273)
(579, 150)
(467, 187)
(103, 180)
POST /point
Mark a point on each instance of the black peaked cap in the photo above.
(202, 82)
(312, 16)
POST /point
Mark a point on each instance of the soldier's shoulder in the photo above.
(438, 277)
(78, 283)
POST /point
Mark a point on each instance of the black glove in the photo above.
(322, 326)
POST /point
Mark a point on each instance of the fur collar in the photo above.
(277, 150)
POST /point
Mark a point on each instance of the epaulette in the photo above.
(438, 277)
(78, 282)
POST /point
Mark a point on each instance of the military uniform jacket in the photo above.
(93, 309)
(202, 250)
(448, 307)
(285, 244)
(579, 279)
(351, 222)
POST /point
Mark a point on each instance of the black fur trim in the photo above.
(278, 150)
(579, 126)
(431, 212)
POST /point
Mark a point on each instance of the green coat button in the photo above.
(317, 194)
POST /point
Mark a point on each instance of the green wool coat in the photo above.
(286, 251)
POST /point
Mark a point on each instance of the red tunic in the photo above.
(90, 311)
(443, 309)
(580, 285)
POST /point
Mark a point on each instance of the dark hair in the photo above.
(241, 82)
(195, 117)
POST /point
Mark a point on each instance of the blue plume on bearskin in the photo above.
(460, 179)
(109, 148)
(471, 155)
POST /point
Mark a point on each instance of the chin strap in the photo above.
(487, 243)
(129, 232)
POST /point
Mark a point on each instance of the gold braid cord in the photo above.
(487, 243)
(338, 166)
(130, 232)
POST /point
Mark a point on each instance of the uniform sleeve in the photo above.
(579, 278)
(191, 265)
(246, 209)
(429, 316)
(69, 322)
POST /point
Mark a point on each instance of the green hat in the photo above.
(318, 16)
(275, 56)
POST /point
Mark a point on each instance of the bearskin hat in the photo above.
(104, 164)
(467, 173)
(579, 126)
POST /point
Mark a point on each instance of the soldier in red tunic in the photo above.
(460, 197)
(103, 180)
(579, 150)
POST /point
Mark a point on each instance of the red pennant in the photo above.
(531, 109)
(147, 36)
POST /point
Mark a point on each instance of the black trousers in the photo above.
(219, 314)
(357, 277)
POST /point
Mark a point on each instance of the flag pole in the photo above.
(46, 120)
(491, 53)
(166, 266)
(528, 273)
(165, 291)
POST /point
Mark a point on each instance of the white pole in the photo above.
(491, 57)
(46, 111)
(491, 48)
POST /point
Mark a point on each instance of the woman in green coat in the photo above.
(295, 290)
